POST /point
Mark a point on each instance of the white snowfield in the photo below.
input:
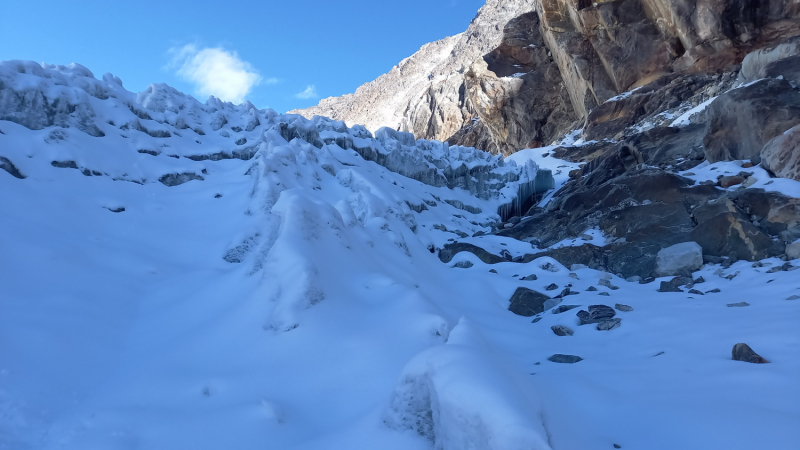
(267, 287)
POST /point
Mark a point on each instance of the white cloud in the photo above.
(308, 92)
(217, 72)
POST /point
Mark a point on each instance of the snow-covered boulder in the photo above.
(686, 256)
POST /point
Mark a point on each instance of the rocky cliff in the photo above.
(526, 71)
(425, 93)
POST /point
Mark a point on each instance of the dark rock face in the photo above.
(585, 54)
(9, 167)
(667, 92)
(743, 352)
(527, 302)
(723, 229)
(742, 121)
(646, 210)
(517, 91)
(564, 359)
(649, 208)
(777, 214)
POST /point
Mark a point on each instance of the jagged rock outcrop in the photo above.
(604, 48)
(424, 94)
(591, 52)
(517, 91)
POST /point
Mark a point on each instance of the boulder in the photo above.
(743, 352)
(679, 258)
(564, 359)
(723, 229)
(564, 308)
(777, 214)
(175, 179)
(664, 93)
(623, 308)
(666, 286)
(561, 330)
(450, 250)
(526, 302)
(727, 181)
(609, 324)
(726, 234)
(595, 314)
(741, 121)
(781, 155)
(772, 61)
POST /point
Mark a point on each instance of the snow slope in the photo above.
(289, 299)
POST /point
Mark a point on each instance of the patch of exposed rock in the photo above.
(516, 89)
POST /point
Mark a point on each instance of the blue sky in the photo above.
(282, 55)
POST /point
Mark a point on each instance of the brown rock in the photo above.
(724, 229)
(743, 352)
(778, 214)
(727, 181)
(516, 89)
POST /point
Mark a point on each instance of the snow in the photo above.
(624, 95)
(598, 240)
(290, 301)
(685, 118)
(711, 171)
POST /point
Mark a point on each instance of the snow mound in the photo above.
(457, 397)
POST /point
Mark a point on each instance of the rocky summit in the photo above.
(562, 229)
